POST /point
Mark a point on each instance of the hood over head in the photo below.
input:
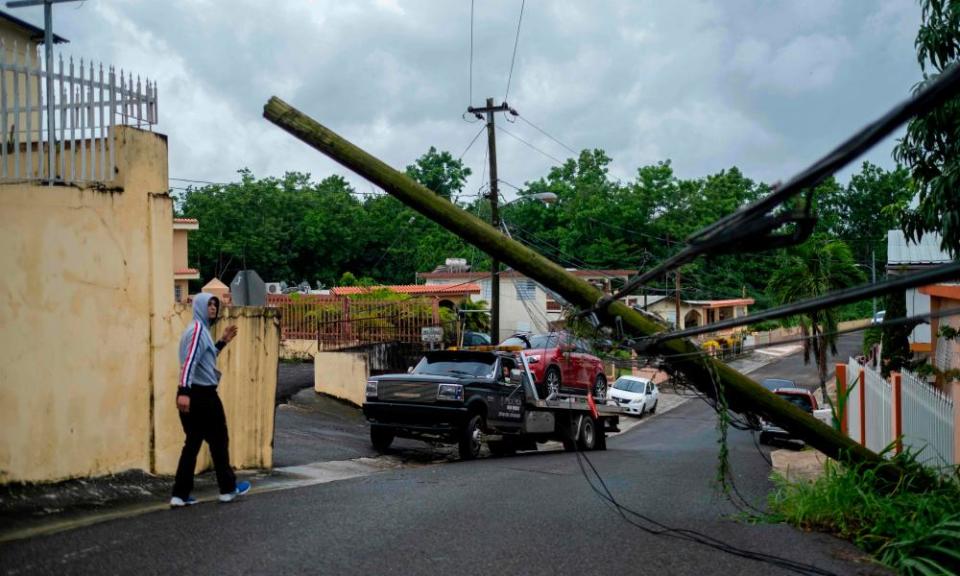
(200, 303)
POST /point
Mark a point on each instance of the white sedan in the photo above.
(634, 394)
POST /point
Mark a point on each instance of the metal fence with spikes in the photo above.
(89, 100)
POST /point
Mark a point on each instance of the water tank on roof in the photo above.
(248, 289)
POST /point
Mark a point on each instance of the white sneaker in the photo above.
(177, 502)
(242, 488)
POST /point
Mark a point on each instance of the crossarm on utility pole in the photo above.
(707, 374)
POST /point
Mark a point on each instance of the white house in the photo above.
(525, 306)
(904, 257)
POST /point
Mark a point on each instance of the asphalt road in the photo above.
(805, 375)
(529, 514)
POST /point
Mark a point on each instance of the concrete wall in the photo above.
(88, 349)
(341, 375)
(180, 246)
(20, 48)
(293, 349)
(247, 389)
(76, 306)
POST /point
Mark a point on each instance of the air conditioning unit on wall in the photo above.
(274, 288)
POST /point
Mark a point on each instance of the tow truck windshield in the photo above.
(475, 368)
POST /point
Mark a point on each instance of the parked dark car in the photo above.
(799, 397)
(772, 384)
(561, 363)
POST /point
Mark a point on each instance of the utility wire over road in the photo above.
(742, 394)
(739, 232)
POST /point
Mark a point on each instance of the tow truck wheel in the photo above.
(588, 435)
(381, 438)
(471, 438)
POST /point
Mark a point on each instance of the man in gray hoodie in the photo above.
(201, 412)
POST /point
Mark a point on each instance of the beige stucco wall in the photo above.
(76, 306)
(341, 375)
(19, 48)
(89, 339)
(180, 249)
(248, 388)
(293, 349)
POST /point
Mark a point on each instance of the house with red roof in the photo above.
(694, 313)
(525, 305)
(453, 293)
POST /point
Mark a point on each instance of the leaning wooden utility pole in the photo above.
(710, 376)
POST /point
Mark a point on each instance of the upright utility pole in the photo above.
(48, 58)
(677, 284)
(490, 110)
(873, 275)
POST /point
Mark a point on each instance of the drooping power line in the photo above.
(516, 42)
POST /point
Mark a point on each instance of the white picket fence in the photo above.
(853, 408)
(928, 423)
(88, 102)
(926, 415)
(878, 411)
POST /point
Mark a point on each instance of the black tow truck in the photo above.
(472, 397)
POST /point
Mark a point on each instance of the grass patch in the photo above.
(912, 526)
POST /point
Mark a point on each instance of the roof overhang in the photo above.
(186, 274)
(36, 33)
(186, 224)
(948, 291)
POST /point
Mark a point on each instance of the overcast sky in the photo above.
(765, 85)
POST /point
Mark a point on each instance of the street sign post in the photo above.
(431, 335)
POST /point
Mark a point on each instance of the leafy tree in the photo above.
(895, 338)
(286, 228)
(815, 268)
(931, 147)
(861, 213)
(477, 322)
(440, 172)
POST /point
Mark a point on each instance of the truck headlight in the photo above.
(452, 392)
(371, 388)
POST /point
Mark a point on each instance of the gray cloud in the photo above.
(764, 85)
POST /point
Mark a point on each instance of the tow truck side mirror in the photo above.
(409, 369)
(516, 376)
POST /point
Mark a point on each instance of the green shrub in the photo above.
(912, 526)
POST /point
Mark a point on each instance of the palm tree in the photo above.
(814, 269)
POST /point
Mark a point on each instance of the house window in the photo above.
(485, 291)
(553, 305)
(526, 289)
(177, 293)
